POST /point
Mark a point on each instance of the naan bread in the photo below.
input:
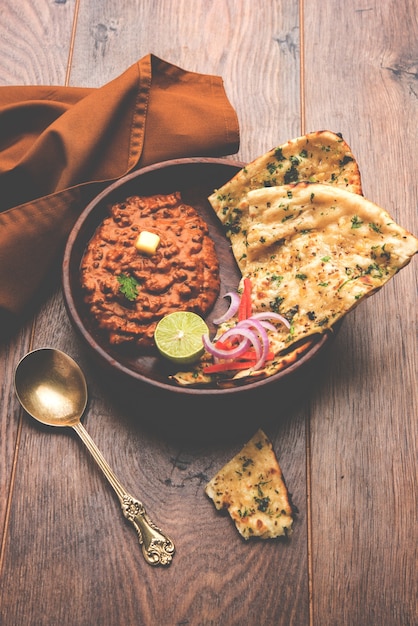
(321, 157)
(312, 246)
(252, 488)
(315, 251)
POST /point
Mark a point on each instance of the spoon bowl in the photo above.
(52, 388)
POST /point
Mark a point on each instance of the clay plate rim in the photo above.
(195, 178)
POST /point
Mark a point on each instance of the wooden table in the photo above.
(347, 443)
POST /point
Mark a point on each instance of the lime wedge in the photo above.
(178, 336)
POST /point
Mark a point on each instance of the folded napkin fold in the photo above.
(59, 146)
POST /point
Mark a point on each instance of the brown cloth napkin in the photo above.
(59, 146)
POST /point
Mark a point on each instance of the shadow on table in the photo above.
(182, 417)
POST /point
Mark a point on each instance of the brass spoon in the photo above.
(51, 387)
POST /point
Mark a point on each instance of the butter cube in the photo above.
(147, 242)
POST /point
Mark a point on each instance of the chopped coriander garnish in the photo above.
(128, 286)
(356, 222)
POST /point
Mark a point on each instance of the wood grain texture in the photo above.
(347, 444)
(34, 46)
(365, 430)
(79, 512)
(35, 41)
(214, 37)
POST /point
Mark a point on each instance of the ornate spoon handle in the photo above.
(157, 548)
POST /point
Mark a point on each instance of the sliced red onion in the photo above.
(250, 337)
(250, 331)
(263, 339)
(270, 315)
(220, 353)
(267, 325)
(232, 309)
(258, 338)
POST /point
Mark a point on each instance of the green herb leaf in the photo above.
(356, 222)
(375, 227)
(128, 286)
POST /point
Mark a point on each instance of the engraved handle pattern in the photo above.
(158, 549)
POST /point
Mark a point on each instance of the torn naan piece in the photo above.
(315, 251)
(321, 157)
(252, 489)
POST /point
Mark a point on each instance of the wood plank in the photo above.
(67, 555)
(35, 41)
(261, 79)
(73, 524)
(34, 45)
(359, 80)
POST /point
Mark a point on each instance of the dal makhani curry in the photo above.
(128, 289)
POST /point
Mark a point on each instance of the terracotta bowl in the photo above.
(195, 178)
